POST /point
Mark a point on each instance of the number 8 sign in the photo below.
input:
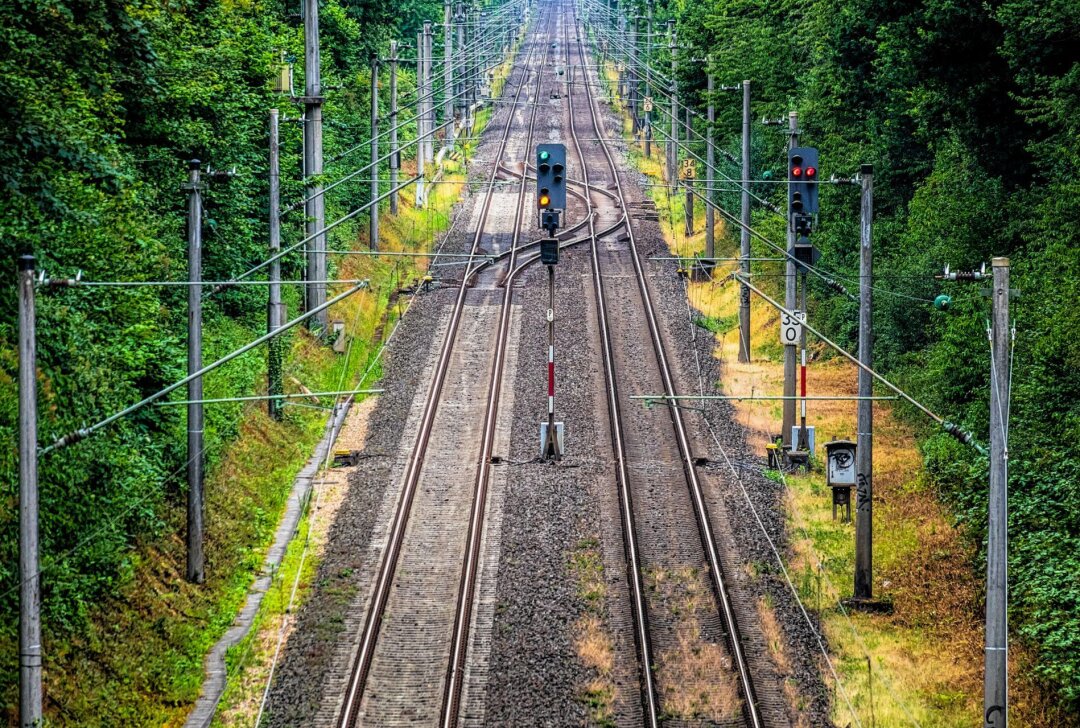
(791, 327)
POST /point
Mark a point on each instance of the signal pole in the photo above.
(273, 307)
(864, 452)
(790, 301)
(395, 153)
(744, 239)
(373, 213)
(996, 685)
(195, 561)
(551, 445)
(314, 207)
(29, 575)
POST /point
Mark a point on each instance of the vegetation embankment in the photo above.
(967, 111)
(923, 659)
(103, 105)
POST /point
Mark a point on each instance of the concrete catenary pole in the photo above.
(744, 239)
(996, 685)
(459, 22)
(195, 563)
(420, 118)
(688, 183)
(373, 213)
(621, 84)
(274, 320)
(633, 77)
(29, 573)
(429, 95)
(395, 153)
(448, 74)
(710, 175)
(790, 303)
(864, 457)
(648, 74)
(315, 207)
(673, 150)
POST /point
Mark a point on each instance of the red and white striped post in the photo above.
(804, 435)
(551, 441)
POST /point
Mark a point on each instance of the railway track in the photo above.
(625, 361)
(404, 578)
(380, 690)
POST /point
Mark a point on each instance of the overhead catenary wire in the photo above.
(84, 432)
(960, 434)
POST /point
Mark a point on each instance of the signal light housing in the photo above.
(550, 180)
(802, 180)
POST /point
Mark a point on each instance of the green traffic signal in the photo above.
(544, 156)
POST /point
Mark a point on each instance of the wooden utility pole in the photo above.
(274, 319)
(29, 573)
(864, 455)
(996, 685)
(195, 561)
(744, 237)
(315, 205)
(790, 301)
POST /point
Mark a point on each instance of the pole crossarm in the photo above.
(313, 236)
(955, 430)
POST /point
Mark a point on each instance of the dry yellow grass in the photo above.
(695, 677)
(593, 644)
(592, 639)
(926, 656)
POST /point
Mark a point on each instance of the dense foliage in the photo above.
(970, 113)
(101, 105)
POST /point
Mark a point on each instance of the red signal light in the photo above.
(797, 171)
(810, 171)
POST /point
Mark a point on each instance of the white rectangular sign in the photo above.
(791, 327)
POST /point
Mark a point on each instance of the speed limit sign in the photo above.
(648, 103)
(791, 327)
